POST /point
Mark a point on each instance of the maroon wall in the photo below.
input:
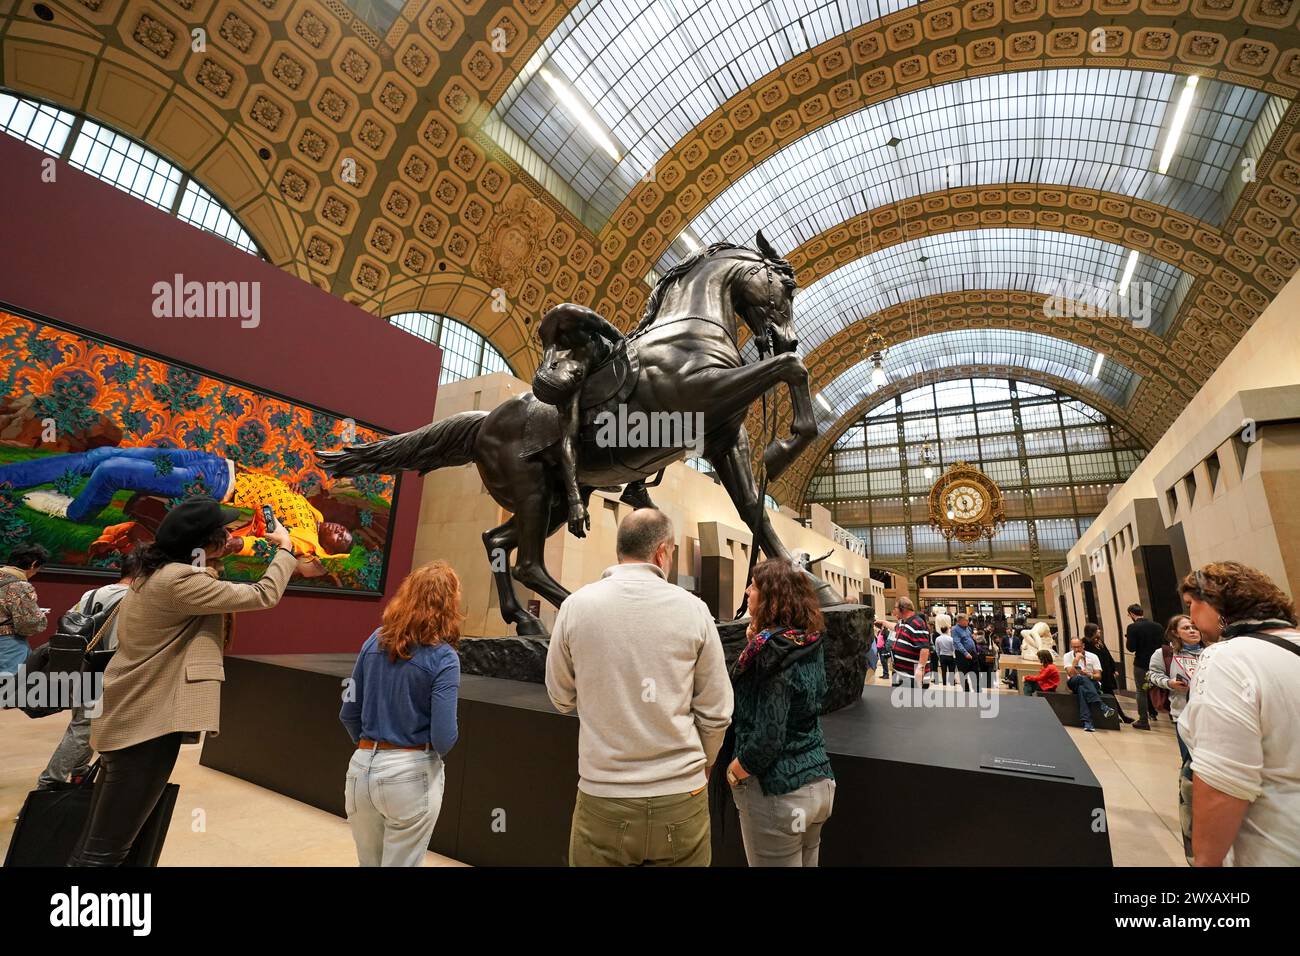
(85, 253)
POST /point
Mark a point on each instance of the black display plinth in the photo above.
(512, 776)
(846, 633)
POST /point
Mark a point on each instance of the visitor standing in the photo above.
(1172, 669)
(400, 710)
(640, 660)
(781, 778)
(946, 649)
(21, 615)
(163, 685)
(965, 650)
(1093, 641)
(911, 644)
(71, 758)
(882, 649)
(1242, 719)
(1143, 638)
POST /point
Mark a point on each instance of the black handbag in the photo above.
(53, 822)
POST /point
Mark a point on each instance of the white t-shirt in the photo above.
(1091, 662)
(943, 645)
(1242, 725)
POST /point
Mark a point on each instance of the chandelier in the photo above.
(873, 346)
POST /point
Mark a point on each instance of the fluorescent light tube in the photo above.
(1096, 366)
(823, 403)
(579, 110)
(1128, 272)
(1176, 128)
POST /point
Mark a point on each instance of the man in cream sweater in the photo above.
(641, 661)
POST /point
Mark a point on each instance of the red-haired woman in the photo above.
(401, 712)
(781, 778)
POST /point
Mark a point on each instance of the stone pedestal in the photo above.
(847, 631)
(846, 635)
(510, 658)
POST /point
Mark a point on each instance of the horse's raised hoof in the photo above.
(531, 628)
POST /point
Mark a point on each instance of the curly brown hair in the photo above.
(425, 610)
(1238, 592)
(785, 597)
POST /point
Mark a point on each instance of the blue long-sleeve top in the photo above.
(405, 702)
(961, 637)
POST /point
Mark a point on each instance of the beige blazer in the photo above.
(167, 671)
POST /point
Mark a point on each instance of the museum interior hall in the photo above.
(979, 319)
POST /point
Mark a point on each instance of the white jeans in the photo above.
(392, 798)
(783, 830)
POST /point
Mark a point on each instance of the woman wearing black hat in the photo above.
(163, 686)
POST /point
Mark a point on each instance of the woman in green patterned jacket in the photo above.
(781, 778)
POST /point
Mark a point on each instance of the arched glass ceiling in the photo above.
(122, 162)
(987, 347)
(465, 353)
(651, 70)
(1028, 260)
(1088, 128)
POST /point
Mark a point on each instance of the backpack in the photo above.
(1158, 696)
(71, 648)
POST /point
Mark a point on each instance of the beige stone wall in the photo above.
(456, 510)
(1252, 515)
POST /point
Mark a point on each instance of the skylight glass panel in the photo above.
(1026, 260)
(651, 70)
(1088, 128)
(124, 163)
(199, 208)
(36, 124)
(465, 353)
(988, 347)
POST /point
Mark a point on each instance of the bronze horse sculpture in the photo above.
(689, 363)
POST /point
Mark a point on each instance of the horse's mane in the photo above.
(690, 262)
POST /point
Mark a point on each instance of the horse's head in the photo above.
(765, 300)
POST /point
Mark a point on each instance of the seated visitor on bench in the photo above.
(1046, 680)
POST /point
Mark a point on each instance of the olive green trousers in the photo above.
(671, 830)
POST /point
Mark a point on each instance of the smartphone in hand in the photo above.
(268, 518)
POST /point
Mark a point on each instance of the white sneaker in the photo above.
(49, 502)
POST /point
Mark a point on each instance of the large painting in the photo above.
(98, 441)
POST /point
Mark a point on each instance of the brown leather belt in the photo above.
(385, 745)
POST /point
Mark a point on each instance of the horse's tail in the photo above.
(440, 445)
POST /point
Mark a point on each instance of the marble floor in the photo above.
(224, 821)
(219, 820)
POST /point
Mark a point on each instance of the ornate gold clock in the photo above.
(966, 504)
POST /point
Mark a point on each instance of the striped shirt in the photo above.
(911, 636)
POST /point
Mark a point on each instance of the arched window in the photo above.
(122, 162)
(465, 353)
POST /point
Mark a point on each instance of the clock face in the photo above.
(966, 502)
